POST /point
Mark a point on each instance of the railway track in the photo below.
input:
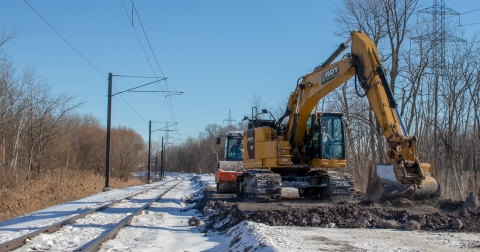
(102, 222)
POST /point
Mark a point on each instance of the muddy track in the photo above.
(224, 211)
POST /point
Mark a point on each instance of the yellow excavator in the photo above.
(308, 152)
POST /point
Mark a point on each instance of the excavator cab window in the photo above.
(234, 148)
(333, 146)
(326, 136)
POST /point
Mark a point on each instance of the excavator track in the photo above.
(341, 185)
(259, 186)
(327, 185)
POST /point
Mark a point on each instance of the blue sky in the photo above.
(219, 53)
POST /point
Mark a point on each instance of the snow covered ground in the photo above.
(19, 226)
(164, 227)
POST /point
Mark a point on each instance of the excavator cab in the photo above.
(234, 147)
(228, 169)
(325, 136)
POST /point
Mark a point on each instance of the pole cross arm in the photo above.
(163, 127)
(129, 90)
(153, 91)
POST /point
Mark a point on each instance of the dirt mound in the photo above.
(451, 205)
(346, 215)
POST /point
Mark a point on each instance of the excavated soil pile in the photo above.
(450, 216)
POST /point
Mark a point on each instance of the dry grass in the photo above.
(52, 190)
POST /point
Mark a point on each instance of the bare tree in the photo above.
(455, 106)
(7, 36)
(358, 15)
(88, 144)
(212, 132)
(128, 149)
(257, 101)
(45, 113)
(397, 14)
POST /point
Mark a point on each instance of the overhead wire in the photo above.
(139, 41)
(458, 14)
(131, 107)
(470, 11)
(172, 113)
(58, 33)
(167, 97)
(148, 41)
(470, 24)
(64, 39)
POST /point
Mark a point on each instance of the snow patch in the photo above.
(249, 236)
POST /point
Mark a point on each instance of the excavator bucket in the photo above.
(226, 175)
(383, 185)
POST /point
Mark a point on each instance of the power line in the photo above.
(58, 33)
(469, 24)
(144, 32)
(65, 39)
(172, 113)
(466, 12)
(138, 38)
(169, 104)
(131, 106)
(470, 11)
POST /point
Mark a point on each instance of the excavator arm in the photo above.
(364, 63)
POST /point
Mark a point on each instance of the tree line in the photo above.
(41, 132)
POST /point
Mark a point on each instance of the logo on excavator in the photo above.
(330, 74)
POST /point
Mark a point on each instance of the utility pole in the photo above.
(156, 155)
(167, 130)
(149, 148)
(149, 141)
(109, 117)
(164, 145)
(162, 174)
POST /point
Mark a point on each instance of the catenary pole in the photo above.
(109, 116)
(149, 146)
(162, 174)
(155, 170)
(109, 119)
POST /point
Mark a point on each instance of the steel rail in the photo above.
(22, 240)
(96, 243)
